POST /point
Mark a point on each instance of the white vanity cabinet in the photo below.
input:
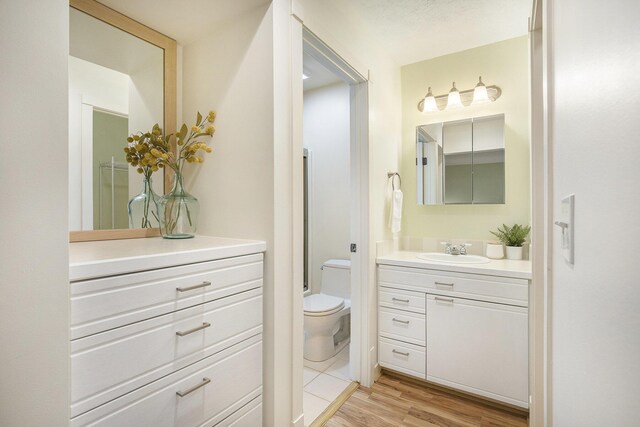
(166, 333)
(464, 328)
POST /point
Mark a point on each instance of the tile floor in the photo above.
(323, 383)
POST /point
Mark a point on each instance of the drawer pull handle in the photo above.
(406, 322)
(191, 288)
(400, 352)
(204, 382)
(444, 284)
(196, 329)
(400, 300)
(444, 299)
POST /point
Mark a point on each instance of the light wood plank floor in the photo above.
(395, 401)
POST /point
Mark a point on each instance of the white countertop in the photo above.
(111, 257)
(495, 267)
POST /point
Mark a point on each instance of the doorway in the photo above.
(335, 197)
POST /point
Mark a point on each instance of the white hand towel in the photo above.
(395, 216)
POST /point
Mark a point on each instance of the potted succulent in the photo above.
(513, 238)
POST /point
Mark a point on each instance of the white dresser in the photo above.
(166, 332)
(464, 327)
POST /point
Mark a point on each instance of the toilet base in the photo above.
(321, 347)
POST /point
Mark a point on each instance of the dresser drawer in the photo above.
(401, 300)
(402, 357)
(211, 389)
(110, 364)
(402, 325)
(464, 285)
(101, 304)
(250, 415)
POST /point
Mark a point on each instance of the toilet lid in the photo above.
(320, 303)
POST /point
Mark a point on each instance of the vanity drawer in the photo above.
(402, 325)
(401, 300)
(464, 285)
(107, 303)
(402, 357)
(211, 389)
(110, 364)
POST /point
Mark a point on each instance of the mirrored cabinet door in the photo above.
(461, 162)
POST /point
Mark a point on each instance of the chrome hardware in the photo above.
(400, 352)
(196, 329)
(191, 288)
(400, 300)
(406, 322)
(204, 382)
(444, 299)
(451, 249)
(444, 284)
(561, 224)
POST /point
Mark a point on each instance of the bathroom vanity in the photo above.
(166, 332)
(460, 326)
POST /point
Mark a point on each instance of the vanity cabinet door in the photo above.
(478, 347)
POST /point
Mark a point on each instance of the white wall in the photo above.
(231, 71)
(327, 134)
(595, 321)
(100, 87)
(34, 308)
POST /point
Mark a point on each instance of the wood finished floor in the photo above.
(393, 401)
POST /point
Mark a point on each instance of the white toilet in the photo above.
(327, 314)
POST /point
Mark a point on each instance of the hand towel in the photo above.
(395, 216)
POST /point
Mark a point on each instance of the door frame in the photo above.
(359, 207)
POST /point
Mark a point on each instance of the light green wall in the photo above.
(505, 64)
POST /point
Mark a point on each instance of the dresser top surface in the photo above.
(495, 267)
(111, 257)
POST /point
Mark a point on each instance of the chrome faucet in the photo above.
(452, 249)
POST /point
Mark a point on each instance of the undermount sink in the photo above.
(453, 259)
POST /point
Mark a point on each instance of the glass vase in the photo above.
(143, 209)
(178, 212)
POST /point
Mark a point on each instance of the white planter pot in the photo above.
(495, 251)
(514, 252)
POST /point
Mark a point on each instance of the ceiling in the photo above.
(183, 20)
(408, 30)
(318, 75)
(415, 30)
(94, 41)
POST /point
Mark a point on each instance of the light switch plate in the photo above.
(567, 217)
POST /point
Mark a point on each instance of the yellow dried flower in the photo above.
(195, 129)
(140, 170)
(211, 117)
(136, 137)
(210, 130)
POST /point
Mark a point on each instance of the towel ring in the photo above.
(393, 175)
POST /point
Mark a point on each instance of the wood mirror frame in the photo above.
(169, 47)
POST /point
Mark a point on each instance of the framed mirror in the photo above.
(461, 162)
(122, 80)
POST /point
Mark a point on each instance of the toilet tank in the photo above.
(336, 278)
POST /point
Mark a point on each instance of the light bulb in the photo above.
(453, 100)
(429, 105)
(480, 95)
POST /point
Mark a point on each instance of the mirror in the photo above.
(461, 162)
(121, 81)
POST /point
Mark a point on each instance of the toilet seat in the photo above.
(322, 305)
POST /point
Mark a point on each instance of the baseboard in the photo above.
(335, 405)
(298, 422)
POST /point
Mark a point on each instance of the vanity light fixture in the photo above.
(453, 99)
(481, 94)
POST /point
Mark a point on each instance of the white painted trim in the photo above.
(297, 258)
(87, 166)
(540, 218)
